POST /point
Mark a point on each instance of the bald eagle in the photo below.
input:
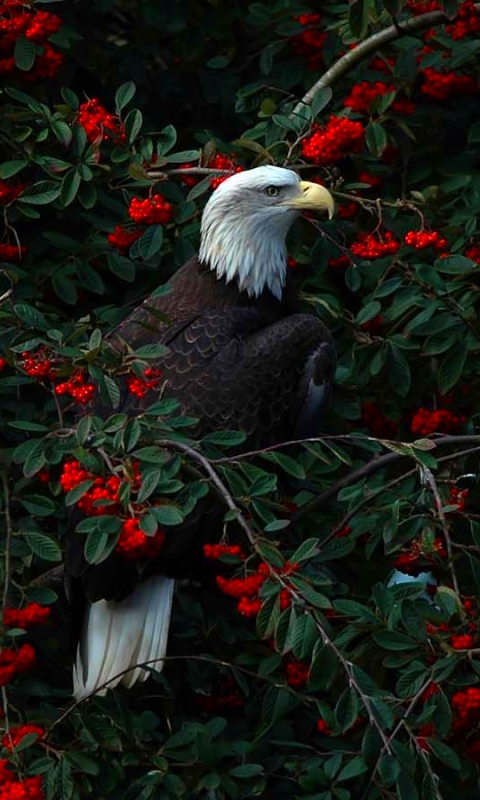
(238, 358)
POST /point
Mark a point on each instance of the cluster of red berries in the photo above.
(364, 93)
(152, 210)
(465, 705)
(32, 614)
(473, 252)
(12, 789)
(385, 64)
(13, 662)
(38, 365)
(425, 421)
(342, 262)
(462, 641)
(324, 729)
(347, 210)
(17, 19)
(221, 161)
(9, 193)
(296, 673)
(77, 387)
(467, 22)
(368, 245)
(372, 180)
(140, 386)
(216, 551)
(229, 697)
(11, 253)
(103, 498)
(309, 42)
(246, 590)
(418, 7)
(17, 734)
(331, 143)
(98, 124)
(408, 561)
(122, 238)
(100, 499)
(380, 426)
(421, 239)
(133, 544)
(444, 85)
(374, 325)
(458, 497)
(3, 363)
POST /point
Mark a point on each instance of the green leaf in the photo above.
(167, 515)
(112, 390)
(149, 483)
(25, 425)
(444, 753)
(182, 157)
(246, 771)
(99, 545)
(308, 549)
(166, 140)
(369, 311)
(38, 505)
(456, 265)
(288, 464)
(406, 787)
(399, 375)
(149, 243)
(123, 95)
(357, 766)
(24, 53)
(42, 546)
(262, 485)
(77, 492)
(30, 316)
(152, 351)
(62, 131)
(40, 194)
(375, 138)
(133, 124)
(225, 438)
(10, 168)
(70, 187)
(451, 368)
(346, 710)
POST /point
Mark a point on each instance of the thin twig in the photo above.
(201, 172)
(398, 726)
(372, 466)
(216, 480)
(6, 585)
(430, 479)
(368, 47)
(8, 541)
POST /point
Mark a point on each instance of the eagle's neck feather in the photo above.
(246, 249)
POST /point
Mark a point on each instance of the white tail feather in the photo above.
(119, 635)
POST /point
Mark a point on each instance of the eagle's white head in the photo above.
(246, 221)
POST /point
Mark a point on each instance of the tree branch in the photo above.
(368, 47)
(372, 466)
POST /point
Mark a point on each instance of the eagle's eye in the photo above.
(272, 191)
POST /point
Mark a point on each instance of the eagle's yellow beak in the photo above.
(312, 197)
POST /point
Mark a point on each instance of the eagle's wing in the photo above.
(230, 370)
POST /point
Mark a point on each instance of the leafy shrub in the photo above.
(298, 667)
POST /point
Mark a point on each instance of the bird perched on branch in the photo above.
(238, 358)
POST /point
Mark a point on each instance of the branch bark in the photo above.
(368, 47)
